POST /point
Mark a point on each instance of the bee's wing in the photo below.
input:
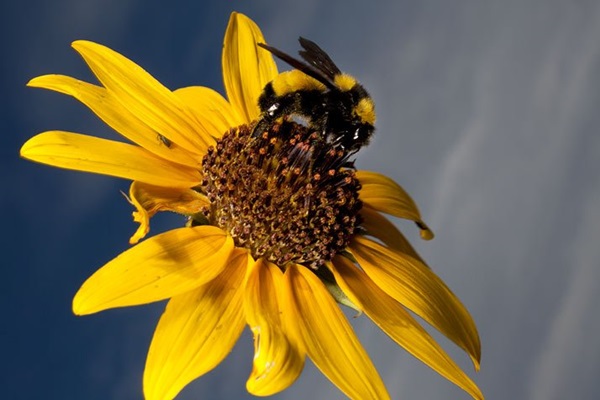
(299, 65)
(316, 56)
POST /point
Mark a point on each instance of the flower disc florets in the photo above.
(286, 195)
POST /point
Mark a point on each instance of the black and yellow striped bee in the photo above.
(331, 102)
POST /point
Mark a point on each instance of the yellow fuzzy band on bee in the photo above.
(365, 109)
(292, 81)
(344, 82)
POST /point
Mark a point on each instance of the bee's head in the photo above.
(362, 119)
(354, 136)
(361, 137)
(350, 134)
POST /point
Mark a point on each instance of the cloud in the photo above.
(569, 358)
(486, 115)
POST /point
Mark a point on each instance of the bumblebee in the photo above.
(333, 103)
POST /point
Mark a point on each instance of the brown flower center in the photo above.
(286, 195)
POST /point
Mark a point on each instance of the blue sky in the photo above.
(487, 115)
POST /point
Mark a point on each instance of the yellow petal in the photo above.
(149, 199)
(394, 320)
(247, 68)
(90, 154)
(416, 287)
(210, 109)
(385, 195)
(328, 338)
(163, 266)
(104, 104)
(278, 360)
(144, 96)
(381, 228)
(196, 332)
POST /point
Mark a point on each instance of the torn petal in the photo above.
(385, 195)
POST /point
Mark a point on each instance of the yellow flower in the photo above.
(277, 232)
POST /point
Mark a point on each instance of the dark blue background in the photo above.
(53, 237)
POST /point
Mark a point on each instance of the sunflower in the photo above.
(278, 233)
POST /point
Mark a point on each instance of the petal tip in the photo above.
(33, 82)
(23, 150)
(81, 304)
(425, 232)
(77, 307)
(81, 45)
(476, 360)
(78, 43)
(48, 81)
(26, 151)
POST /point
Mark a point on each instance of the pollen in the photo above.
(285, 195)
(345, 82)
(365, 110)
(291, 81)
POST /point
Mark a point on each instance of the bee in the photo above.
(333, 103)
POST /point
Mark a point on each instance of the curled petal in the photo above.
(163, 266)
(328, 337)
(196, 332)
(144, 96)
(394, 320)
(385, 195)
(381, 228)
(278, 359)
(105, 105)
(149, 199)
(416, 287)
(90, 154)
(247, 68)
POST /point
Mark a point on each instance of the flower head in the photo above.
(280, 226)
